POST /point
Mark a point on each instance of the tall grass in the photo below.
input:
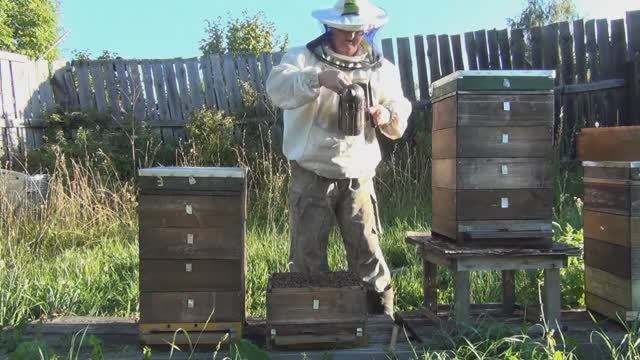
(77, 254)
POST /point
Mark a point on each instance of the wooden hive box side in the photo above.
(612, 240)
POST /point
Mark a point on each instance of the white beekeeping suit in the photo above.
(332, 173)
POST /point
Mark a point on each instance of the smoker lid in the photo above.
(219, 172)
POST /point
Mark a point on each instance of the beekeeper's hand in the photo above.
(380, 115)
(334, 80)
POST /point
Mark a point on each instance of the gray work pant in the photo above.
(314, 203)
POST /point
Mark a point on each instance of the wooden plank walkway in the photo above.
(121, 338)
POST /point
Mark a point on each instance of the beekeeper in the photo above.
(332, 172)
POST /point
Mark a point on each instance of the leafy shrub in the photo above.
(89, 138)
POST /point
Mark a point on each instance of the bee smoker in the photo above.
(353, 107)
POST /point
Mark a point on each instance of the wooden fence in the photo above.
(163, 92)
(25, 96)
(598, 64)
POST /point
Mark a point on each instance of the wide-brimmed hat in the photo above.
(352, 15)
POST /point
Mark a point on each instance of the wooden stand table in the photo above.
(461, 260)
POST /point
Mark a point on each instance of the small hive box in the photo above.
(612, 221)
(326, 310)
(492, 153)
(192, 253)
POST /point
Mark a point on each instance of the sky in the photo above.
(168, 28)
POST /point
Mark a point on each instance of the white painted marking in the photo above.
(505, 203)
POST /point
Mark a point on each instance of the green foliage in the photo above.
(211, 139)
(245, 350)
(31, 350)
(85, 54)
(544, 12)
(6, 32)
(87, 138)
(29, 27)
(244, 34)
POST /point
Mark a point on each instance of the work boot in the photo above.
(380, 303)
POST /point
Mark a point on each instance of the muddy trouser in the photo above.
(314, 203)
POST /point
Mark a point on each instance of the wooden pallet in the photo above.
(184, 334)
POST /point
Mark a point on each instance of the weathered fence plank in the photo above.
(604, 48)
(456, 49)
(567, 102)
(421, 58)
(434, 59)
(195, 86)
(112, 88)
(220, 90)
(231, 76)
(185, 97)
(207, 77)
(633, 32)
(161, 90)
(406, 68)
(97, 77)
(84, 90)
(550, 45)
(518, 49)
(620, 68)
(8, 102)
(173, 95)
(505, 51)
(592, 50)
(387, 50)
(150, 98)
(137, 91)
(446, 64)
(266, 63)
(481, 50)
(277, 58)
(581, 53)
(537, 49)
(124, 90)
(470, 47)
(494, 49)
(71, 89)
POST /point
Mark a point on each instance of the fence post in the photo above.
(634, 89)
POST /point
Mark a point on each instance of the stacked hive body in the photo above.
(492, 147)
(612, 220)
(192, 254)
(311, 311)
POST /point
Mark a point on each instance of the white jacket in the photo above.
(311, 136)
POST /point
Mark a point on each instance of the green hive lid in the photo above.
(219, 172)
(494, 80)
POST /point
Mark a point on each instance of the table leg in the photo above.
(430, 286)
(508, 291)
(462, 296)
(552, 297)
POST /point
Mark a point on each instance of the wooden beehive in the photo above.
(492, 148)
(325, 310)
(612, 221)
(192, 253)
